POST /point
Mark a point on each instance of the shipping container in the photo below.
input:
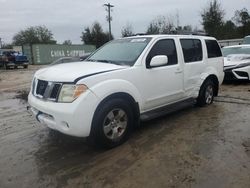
(47, 53)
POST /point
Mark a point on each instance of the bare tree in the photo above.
(161, 25)
(67, 42)
(127, 30)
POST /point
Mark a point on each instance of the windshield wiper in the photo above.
(103, 60)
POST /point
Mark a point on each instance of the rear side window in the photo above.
(163, 47)
(192, 50)
(213, 49)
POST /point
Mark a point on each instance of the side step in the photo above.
(167, 109)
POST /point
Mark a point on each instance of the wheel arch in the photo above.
(215, 80)
(126, 97)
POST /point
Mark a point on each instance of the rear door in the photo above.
(193, 56)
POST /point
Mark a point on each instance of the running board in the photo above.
(152, 114)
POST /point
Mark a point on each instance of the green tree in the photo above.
(229, 30)
(34, 35)
(212, 19)
(242, 19)
(67, 42)
(95, 35)
(127, 31)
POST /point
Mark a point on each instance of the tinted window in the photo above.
(163, 47)
(192, 50)
(213, 49)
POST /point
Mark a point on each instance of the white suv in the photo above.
(125, 81)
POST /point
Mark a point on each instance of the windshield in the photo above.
(235, 50)
(121, 51)
(246, 40)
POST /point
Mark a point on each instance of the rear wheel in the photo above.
(206, 94)
(112, 123)
(25, 66)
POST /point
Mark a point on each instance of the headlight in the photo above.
(70, 92)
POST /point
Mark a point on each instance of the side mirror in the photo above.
(159, 60)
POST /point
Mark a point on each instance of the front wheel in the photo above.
(112, 123)
(206, 94)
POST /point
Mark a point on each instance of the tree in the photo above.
(212, 19)
(67, 42)
(127, 31)
(230, 30)
(7, 46)
(95, 35)
(160, 25)
(34, 35)
(242, 19)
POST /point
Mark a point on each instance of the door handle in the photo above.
(178, 71)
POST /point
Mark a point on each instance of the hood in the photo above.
(236, 59)
(70, 72)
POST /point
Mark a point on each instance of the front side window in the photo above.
(192, 50)
(121, 51)
(163, 47)
(213, 49)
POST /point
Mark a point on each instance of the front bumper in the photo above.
(69, 118)
(235, 73)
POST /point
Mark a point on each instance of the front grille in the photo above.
(41, 87)
(55, 91)
(46, 90)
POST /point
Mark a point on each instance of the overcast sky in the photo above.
(67, 19)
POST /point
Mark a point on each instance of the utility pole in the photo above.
(109, 18)
(0, 42)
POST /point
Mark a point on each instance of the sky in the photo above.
(67, 19)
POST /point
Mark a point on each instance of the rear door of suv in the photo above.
(193, 57)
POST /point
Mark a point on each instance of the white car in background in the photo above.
(237, 62)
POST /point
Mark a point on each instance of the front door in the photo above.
(164, 84)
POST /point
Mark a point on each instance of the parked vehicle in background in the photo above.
(13, 59)
(246, 40)
(82, 58)
(127, 80)
(237, 62)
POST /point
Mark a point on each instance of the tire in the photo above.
(25, 66)
(206, 94)
(112, 124)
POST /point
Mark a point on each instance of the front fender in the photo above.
(108, 87)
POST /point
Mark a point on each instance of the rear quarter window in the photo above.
(213, 49)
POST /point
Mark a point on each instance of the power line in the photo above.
(109, 18)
